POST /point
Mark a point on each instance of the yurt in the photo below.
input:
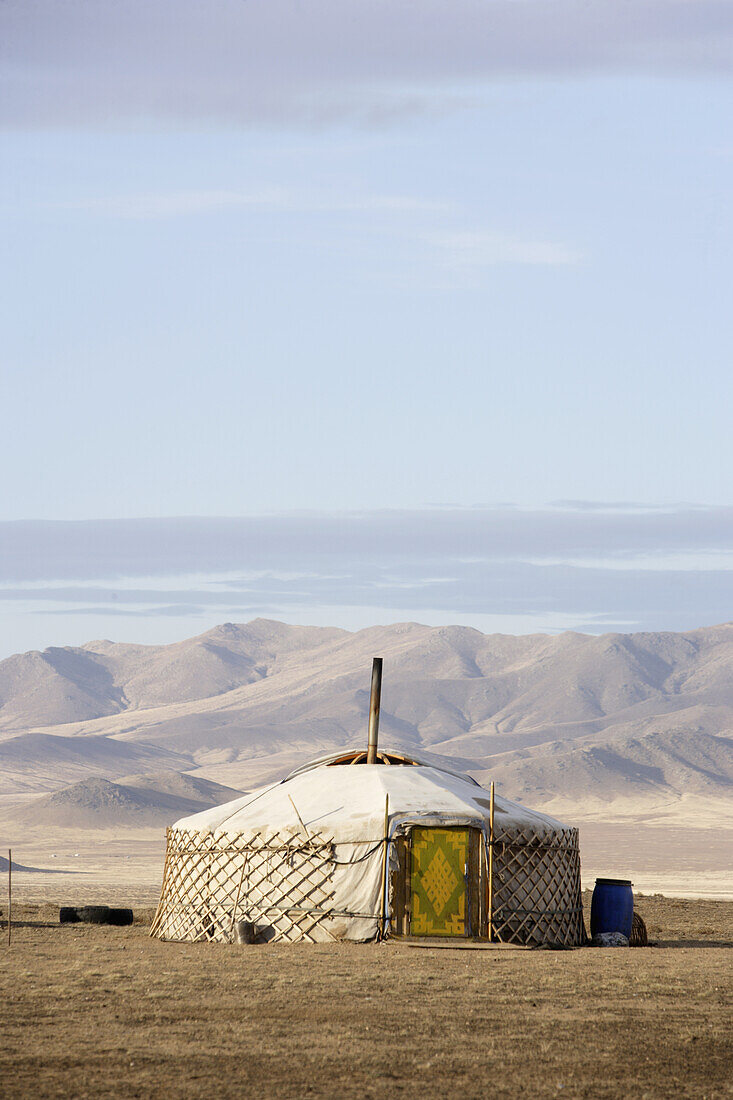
(366, 845)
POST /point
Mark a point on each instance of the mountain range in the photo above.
(640, 719)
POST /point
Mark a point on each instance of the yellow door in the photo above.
(439, 861)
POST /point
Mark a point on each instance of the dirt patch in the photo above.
(89, 1011)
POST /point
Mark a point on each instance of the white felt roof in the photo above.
(348, 802)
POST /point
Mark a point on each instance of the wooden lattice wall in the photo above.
(280, 882)
(536, 888)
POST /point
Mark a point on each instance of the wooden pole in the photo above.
(10, 892)
(374, 703)
(491, 863)
(159, 912)
(236, 900)
(300, 819)
(385, 847)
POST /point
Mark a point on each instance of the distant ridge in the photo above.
(33, 762)
(646, 716)
(74, 683)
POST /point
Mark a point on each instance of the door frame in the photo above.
(476, 886)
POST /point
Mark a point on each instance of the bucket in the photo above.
(612, 907)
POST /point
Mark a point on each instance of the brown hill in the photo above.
(142, 801)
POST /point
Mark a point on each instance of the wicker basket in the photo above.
(638, 937)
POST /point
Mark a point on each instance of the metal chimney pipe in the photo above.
(374, 703)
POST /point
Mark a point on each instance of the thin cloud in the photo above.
(487, 249)
(173, 611)
(185, 203)
(317, 542)
(651, 599)
(455, 249)
(127, 62)
(178, 203)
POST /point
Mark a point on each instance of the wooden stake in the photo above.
(300, 819)
(236, 900)
(166, 863)
(385, 847)
(10, 892)
(491, 862)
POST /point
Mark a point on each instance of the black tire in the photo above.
(119, 917)
(68, 915)
(94, 914)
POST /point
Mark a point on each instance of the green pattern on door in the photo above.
(438, 864)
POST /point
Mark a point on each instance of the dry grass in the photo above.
(95, 1011)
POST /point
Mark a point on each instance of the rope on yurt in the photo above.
(361, 858)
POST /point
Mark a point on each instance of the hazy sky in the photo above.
(265, 257)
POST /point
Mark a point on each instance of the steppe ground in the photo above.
(90, 1011)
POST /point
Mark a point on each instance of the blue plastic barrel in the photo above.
(612, 907)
